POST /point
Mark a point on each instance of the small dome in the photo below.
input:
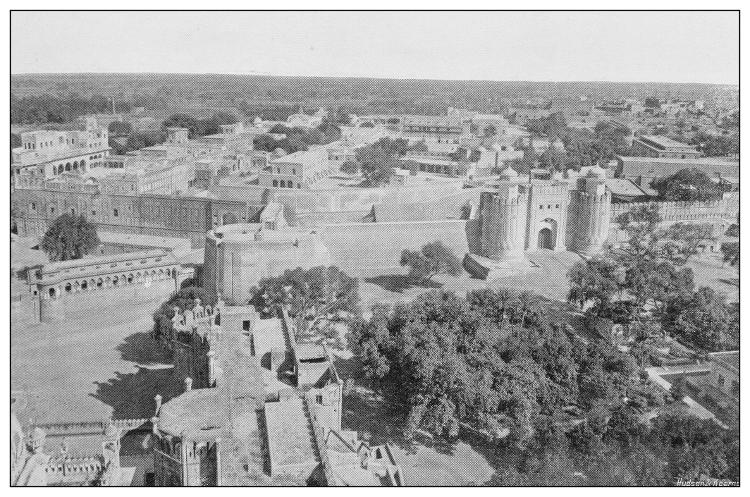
(508, 173)
(596, 171)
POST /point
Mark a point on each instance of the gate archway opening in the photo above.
(546, 240)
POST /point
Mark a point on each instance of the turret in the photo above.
(593, 201)
(502, 214)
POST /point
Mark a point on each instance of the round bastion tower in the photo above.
(592, 205)
(503, 214)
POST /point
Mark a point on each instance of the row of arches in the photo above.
(111, 281)
(68, 167)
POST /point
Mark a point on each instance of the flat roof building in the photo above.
(661, 146)
(643, 170)
(48, 153)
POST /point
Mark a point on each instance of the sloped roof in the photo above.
(623, 187)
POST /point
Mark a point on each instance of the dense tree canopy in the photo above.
(731, 253)
(119, 128)
(580, 148)
(432, 259)
(490, 361)
(297, 139)
(717, 146)
(313, 297)
(200, 127)
(376, 162)
(647, 285)
(703, 319)
(69, 237)
(137, 140)
(37, 109)
(687, 185)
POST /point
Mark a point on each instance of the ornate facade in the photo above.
(518, 214)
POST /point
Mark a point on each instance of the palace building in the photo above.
(48, 153)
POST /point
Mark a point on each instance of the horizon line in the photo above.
(393, 78)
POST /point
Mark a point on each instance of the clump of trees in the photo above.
(137, 140)
(376, 162)
(200, 127)
(688, 185)
(37, 109)
(580, 147)
(432, 259)
(119, 128)
(314, 298)
(491, 362)
(731, 253)
(69, 237)
(646, 284)
(619, 449)
(298, 139)
(717, 146)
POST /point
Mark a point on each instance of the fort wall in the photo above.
(361, 248)
(719, 213)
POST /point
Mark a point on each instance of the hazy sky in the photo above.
(555, 46)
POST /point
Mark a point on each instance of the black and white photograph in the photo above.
(374, 248)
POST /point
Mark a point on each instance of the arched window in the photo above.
(84, 285)
(68, 288)
(99, 283)
(67, 166)
(130, 278)
(52, 293)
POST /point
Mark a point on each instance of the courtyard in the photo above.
(99, 362)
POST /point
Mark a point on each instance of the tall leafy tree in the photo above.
(313, 297)
(69, 237)
(432, 259)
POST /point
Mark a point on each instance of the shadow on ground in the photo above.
(379, 422)
(399, 282)
(131, 395)
(142, 349)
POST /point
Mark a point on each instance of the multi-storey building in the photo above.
(299, 169)
(47, 153)
(442, 129)
(40, 202)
